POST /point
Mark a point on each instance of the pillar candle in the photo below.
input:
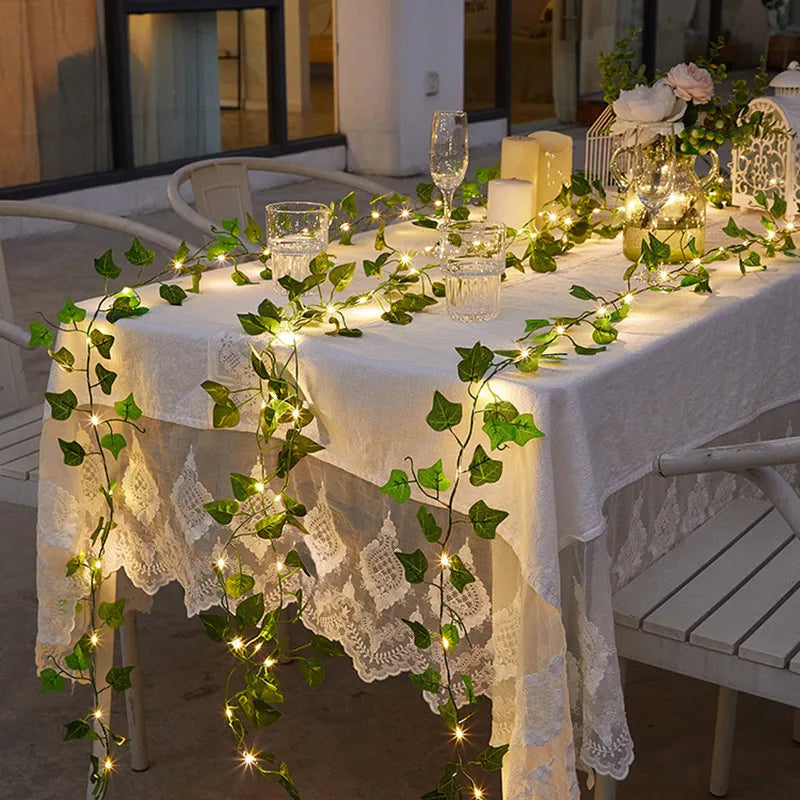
(519, 158)
(554, 165)
(510, 202)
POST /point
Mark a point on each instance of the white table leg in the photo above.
(104, 660)
(134, 697)
(605, 788)
(796, 726)
(723, 742)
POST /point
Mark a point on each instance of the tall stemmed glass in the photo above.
(449, 154)
(653, 172)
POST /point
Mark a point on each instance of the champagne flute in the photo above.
(449, 154)
(653, 171)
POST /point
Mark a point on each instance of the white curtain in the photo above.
(174, 86)
(54, 90)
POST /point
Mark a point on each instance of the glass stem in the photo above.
(447, 200)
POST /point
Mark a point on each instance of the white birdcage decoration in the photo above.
(770, 162)
(600, 146)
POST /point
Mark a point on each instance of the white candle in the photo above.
(510, 202)
(554, 165)
(519, 158)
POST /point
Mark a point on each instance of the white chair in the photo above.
(221, 187)
(724, 604)
(21, 427)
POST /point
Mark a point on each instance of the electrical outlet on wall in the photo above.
(431, 83)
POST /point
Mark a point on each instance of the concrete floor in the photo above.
(348, 739)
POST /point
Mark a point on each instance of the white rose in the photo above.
(652, 107)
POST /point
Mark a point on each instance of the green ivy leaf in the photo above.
(63, 357)
(74, 564)
(525, 429)
(106, 378)
(422, 636)
(114, 443)
(243, 485)
(349, 206)
(460, 213)
(127, 408)
(501, 410)
(172, 293)
(102, 342)
(295, 447)
(485, 519)
(286, 782)
(253, 231)
(71, 313)
(313, 671)
(51, 681)
(470, 689)
(448, 783)
(271, 526)
(61, 404)
(475, 361)
(238, 584)
(499, 432)
(73, 453)
(449, 714)
(327, 647)
(231, 225)
(106, 267)
(430, 529)
(250, 610)
(119, 678)
(588, 351)
(294, 561)
(113, 614)
(222, 510)
(397, 487)
(41, 335)
(217, 627)
(226, 415)
(341, 275)
(433, 477)
(414, 564)
(443, 414)
(582, 293)
(428, 681)
(460, 576)
(79, 729)
(138, 255)
(491, 759)
(604, 332)
(483, 469)
(79, 659)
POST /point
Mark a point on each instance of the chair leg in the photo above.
(723, 742)
(796, 727)
(104, 660)
(605, 788)
(134, 697)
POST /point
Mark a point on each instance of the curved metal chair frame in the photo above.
(222, 189)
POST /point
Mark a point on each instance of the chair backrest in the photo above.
(222, 188)
(13, 391)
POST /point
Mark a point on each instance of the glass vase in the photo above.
(680, 222)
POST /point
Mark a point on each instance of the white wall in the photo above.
(385, 48)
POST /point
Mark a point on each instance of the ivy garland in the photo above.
(251, 626)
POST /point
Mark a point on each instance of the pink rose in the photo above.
(691, 82)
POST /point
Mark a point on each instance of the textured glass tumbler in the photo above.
(297, 232)
(473, 260)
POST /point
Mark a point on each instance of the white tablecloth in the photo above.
(687, 368)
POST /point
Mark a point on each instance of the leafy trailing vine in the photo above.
(251, 626)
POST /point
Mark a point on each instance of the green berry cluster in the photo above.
(700, 139)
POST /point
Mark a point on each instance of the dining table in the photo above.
(587, 513)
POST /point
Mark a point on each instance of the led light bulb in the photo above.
(94, 639)
(444, 560)
(95, 420)
(628, 299)
(459, 733)
(249, 759)
(345, 226)
(259, 487)
(177, 264)
(98, 712)
(108, 765)
(220, 563)
(237, 643)
(375, 215)
(560, 330)
(228, 712)
(269, 662)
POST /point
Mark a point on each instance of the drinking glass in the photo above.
(473, 259)
(449, 154)
(297, 232)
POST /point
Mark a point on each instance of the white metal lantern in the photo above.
(770, 163)
(600, 146)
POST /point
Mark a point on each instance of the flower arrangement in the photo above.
(685, 101)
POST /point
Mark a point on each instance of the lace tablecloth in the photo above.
(687, 369)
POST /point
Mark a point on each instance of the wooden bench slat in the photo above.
(20, 418)
(29, 431)
(794, 664)
(698, 598)
(21, 468)
(646, 592)
(742, 612)
(774, 642)
(18, 450)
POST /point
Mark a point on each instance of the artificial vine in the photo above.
(253, 627)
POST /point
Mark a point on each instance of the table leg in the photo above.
(134, 697)
(104, 660)
(605, 788)
(723, 742)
